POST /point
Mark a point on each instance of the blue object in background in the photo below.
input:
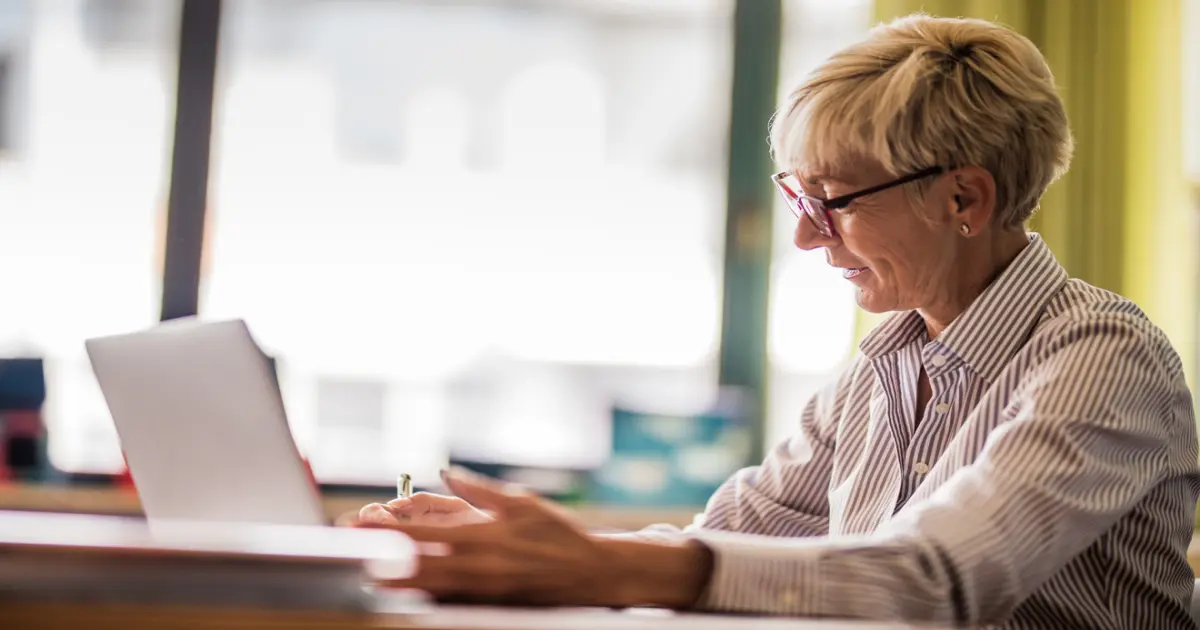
(22, 384)
(23, 445)
(673, 460)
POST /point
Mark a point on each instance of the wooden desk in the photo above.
(120, 501)
(123, 617)
(109, 617)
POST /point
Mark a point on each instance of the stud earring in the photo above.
(965, 229)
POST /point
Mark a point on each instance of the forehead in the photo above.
(818, 143)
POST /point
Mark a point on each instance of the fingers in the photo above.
(450, 560)
(467, 577)
(428, 503)
(464, 535)
(428, 509)
(481, 576)
(482, 491)
(349, 519)
(375, 514)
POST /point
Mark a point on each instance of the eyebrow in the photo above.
(817, 178)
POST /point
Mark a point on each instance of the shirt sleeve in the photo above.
(786, 495)
(1091, 434)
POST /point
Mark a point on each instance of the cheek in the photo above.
(872, 243)
(894, 249)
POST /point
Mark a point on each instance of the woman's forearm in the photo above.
(667, 574)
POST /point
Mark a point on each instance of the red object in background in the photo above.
(311, 477)
(124, 479)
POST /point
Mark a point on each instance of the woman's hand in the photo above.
(532, 553)
(424, 508)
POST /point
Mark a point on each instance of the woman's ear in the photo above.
(975, 198)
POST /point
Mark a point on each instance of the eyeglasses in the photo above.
(817, 210)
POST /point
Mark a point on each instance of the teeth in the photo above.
(850, 273)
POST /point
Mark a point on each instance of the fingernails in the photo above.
(460, 473)
(371, 513)
(456, 473)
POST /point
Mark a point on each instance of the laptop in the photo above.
(202, 425)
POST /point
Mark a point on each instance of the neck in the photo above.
(981, 262)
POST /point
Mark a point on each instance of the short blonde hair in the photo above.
(923, 91)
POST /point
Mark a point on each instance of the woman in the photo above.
(1011, 447)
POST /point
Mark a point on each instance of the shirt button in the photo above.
(942, 407)
(938, 360)
(921, 468)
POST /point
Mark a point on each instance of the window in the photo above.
(85, 126)
(812, 312)
(469, 228)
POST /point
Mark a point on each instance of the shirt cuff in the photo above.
(650, 534)
(778, 577)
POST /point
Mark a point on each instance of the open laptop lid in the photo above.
(202, 425)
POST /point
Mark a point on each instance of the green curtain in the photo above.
(1120, 219)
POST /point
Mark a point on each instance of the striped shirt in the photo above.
(1050, 482)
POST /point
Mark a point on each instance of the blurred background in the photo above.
(533, 236)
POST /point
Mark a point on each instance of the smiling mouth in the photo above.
(852, 272)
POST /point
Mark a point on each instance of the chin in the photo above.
(872, 303)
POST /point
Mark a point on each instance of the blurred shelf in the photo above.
(56, 498)
(114, 500)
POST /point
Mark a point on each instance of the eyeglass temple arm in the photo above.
(844, 199)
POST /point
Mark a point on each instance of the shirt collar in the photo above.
(992, 329)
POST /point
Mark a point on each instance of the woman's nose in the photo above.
(808, 237)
